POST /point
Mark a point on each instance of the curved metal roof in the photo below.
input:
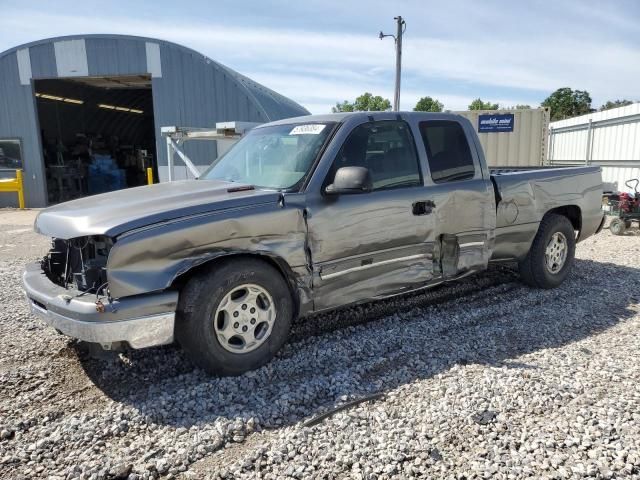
(273, 105)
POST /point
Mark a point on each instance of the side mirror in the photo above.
(350, 180)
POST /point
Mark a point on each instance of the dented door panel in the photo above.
(465, 210)
(465, 214)
(368, 245)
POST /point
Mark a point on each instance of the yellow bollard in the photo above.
(149, 176)
(17, 185)
(20, 188)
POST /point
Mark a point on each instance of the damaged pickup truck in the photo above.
(300, 216)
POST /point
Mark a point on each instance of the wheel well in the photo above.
(572, 212)
(279, 265)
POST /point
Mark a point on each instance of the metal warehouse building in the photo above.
(82, 114)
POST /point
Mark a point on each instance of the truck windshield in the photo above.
(276, 157)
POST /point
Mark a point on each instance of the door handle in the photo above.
(424, 207)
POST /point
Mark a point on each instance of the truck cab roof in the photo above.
(344, 116)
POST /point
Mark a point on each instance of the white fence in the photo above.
(610, 139)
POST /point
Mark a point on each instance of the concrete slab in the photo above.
(14, 216)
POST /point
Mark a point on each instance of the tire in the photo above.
(617, 226)
(203, 317)
(535, 270)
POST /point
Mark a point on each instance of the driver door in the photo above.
(372, 244)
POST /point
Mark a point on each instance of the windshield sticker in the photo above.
(312, 129)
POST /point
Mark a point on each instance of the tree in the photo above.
(343, 107)
(428, 104)
(566, 103)
(364, 103)
(522, 107)
(615, 104)
(478, 104)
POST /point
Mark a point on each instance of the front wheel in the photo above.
(551, 255)
(235, 317)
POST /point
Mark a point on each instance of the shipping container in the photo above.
(512, 138)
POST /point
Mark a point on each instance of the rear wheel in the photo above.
(551, 255)
(235, 317)
(618, 226)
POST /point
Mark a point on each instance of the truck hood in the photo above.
(117, 212)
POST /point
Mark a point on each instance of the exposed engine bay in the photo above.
(78, 263)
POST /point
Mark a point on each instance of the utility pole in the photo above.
(401, 27)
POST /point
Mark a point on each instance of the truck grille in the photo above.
(79, 262)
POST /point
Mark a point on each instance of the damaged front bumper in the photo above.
(141, 320)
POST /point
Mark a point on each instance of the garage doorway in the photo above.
(97, 134)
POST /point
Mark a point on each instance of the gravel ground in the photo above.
(481, 378)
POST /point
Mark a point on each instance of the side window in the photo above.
(447, 151)
(387, 149)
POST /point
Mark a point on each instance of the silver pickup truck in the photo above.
(300, 216)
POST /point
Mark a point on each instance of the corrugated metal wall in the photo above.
(18, 120)
(610, 139)
(189, 90)
(525, 146)
(612, 135)
(619, 175)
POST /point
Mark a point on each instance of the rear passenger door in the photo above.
(462, 193)
(372, 244)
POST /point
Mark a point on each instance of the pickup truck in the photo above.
(302, 215)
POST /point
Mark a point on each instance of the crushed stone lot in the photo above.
(483, 378)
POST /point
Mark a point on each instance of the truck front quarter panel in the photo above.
(150, 259)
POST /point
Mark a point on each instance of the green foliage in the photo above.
(567, 103)
(342, 107)
(522, 107)
(364, 103)
(615, 104)
(428, 104)
(478, 104)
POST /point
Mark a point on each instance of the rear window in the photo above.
(447, 151)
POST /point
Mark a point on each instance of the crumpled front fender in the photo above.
(151, 258)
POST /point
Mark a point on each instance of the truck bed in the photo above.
(524, 196)
(501, 170)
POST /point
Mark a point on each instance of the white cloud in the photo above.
(319, 68)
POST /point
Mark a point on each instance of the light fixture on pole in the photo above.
(401, 27)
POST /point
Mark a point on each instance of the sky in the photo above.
(319, 52)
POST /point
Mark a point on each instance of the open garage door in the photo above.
(97, 134)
